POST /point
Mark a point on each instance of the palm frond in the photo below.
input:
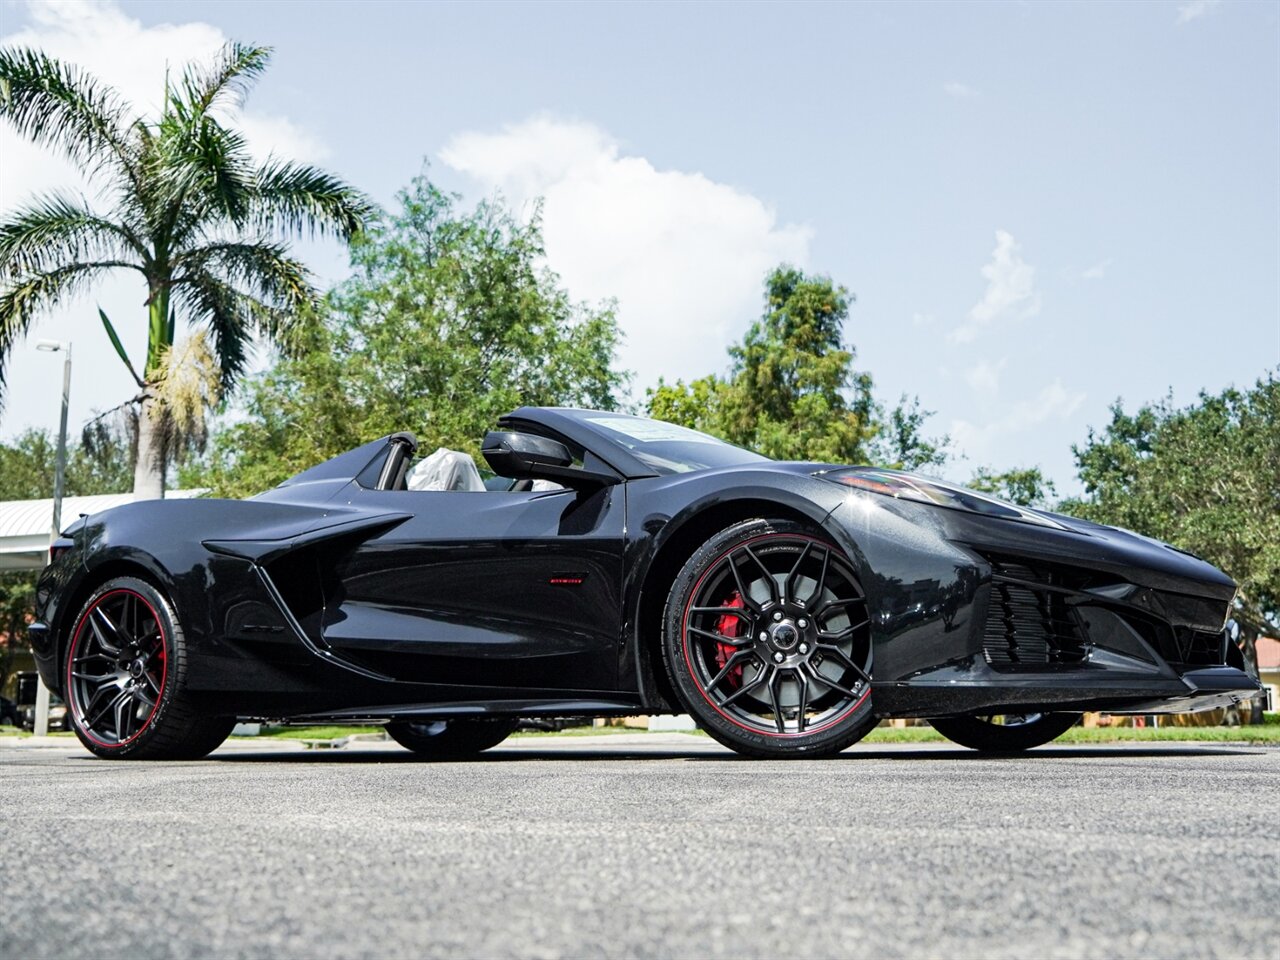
(119, 347)
(23, 298)
(230, 76)
(61, 106)
(199, 175)
(230, 316)
(54, 230)
(261, 269)
(301, 199)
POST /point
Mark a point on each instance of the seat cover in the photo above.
(446, 470)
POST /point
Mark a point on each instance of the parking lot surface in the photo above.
(646, 845)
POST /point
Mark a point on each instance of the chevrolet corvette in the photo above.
(614, 565)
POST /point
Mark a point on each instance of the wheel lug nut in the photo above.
(778, 656)
(764, 635)
(777, 614)
(804, 648)
(802, 623)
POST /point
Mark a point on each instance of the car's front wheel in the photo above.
(1005, 733)
(451, 739)
(767, 642)
(125, 679)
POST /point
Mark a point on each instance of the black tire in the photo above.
(123, 706)
(781, 606)
(982, 733)
(451, 739)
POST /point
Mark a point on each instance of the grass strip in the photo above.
(1259, 733)
(6, 731)
(1247, 735)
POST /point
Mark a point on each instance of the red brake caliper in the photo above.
(729, 625)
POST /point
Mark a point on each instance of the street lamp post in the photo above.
(59, 484)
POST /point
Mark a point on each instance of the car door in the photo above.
(496, 589)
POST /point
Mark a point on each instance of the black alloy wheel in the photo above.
(768, 644)
(1006, 732)
(125, 679)
(451, 739)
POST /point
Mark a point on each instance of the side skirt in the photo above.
(475, 709)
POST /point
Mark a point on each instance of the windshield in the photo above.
(666, 448)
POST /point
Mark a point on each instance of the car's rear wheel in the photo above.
(767, 642)
(125, 679)
(451, 739)
(1007, 732)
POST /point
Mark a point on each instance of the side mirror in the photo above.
(523, 456)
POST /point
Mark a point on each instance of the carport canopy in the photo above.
(25, 524)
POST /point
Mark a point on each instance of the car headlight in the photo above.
(905, 486)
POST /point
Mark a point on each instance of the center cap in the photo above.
(784, 635)
(135, 669)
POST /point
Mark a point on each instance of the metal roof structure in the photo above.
(25, 524)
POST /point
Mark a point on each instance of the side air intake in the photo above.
(1029, 623)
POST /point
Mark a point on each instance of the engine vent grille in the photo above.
(1028, 626)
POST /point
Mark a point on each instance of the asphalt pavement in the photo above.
(646, 845)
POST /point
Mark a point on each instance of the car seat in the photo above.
(446, 470)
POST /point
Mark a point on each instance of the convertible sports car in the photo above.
(615, 566)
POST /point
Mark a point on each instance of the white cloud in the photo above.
(984, 377)
(961, 91)
(1195, 10)
(122, 53)
(981, 443)
(1098, 270)
(685, 256)
(1010, 293)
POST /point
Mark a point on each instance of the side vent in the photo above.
(1027, 624)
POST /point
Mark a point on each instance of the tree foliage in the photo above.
(900, 441)
(448, 322)
(1025, 486)
(1205, 478)
(792, 392)
(190, 211)
(17, 607)
(27, 467)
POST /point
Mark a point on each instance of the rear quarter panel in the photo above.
(164, 542)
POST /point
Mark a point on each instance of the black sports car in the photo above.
(623, 566)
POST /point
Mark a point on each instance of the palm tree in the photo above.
(188, 209)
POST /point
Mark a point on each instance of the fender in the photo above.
(652, 530)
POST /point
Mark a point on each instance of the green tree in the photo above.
(1027, 486)
(901, 443)
(695, 404)
(449, 322)
(100, 463)
(792, 392)
(26, 473)
(17, 607)
(1205, 478)
(191, 212)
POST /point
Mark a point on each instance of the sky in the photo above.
(1039, 208)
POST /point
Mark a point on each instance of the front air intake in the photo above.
(1029, 623)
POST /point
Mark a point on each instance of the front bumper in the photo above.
(1194, 691)
(988, 615)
